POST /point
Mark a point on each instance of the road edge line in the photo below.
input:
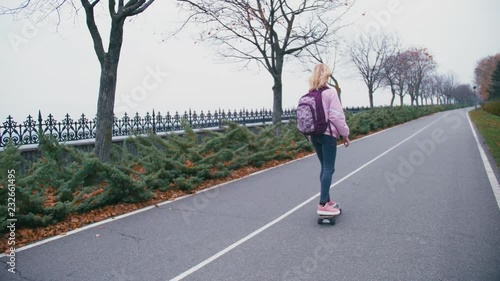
(486, 163)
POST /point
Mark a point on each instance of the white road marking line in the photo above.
(253, 234)
(487, 166)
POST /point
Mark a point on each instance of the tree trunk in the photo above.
(393, 96)
(337, 87)
(105, 115)
(277, 101)
(107, 90)
(276, 72)
(401, 99)
(370, 95)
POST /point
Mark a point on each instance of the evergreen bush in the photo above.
(492, 107)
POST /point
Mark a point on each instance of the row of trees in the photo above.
(487, 77)
(382, 62)
(267, 32)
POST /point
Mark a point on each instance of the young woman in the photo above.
(326, 144)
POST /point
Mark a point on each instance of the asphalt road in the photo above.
(417, 205)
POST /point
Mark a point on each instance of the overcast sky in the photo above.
(56, 70)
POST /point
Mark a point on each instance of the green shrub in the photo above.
(492, 107)
(11, 160)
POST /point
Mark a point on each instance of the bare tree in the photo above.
(448, 85)
(370, 54)
(391, 77)
(428, 90)
(439, 83)
(266, 31)
(397, 72)
(108, 59)
(433, 88)
(464, 94)
(422, 65)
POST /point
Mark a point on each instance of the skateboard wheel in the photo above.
(320, 221)
(332, 221)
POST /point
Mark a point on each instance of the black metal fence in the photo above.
(82, 128)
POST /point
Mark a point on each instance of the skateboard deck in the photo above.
(328, 218)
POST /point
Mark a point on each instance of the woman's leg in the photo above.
(318, 147)
(329, 154)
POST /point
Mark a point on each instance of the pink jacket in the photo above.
(335, 113)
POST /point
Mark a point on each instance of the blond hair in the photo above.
(319, 77)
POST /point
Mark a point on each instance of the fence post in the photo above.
(40, 132)
(189, 117)
(67, 127)
(154, 126)
(220, 119)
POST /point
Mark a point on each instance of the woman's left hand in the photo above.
(346, 141)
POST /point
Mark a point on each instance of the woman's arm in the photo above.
(336, 115)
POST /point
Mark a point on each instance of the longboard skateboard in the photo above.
(328, 218)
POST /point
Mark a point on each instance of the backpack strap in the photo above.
(330, 128)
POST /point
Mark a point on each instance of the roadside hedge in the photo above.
(376, 119)
(492, 107)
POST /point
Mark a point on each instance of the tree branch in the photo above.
(112, 11)
(94, 31)
(141, 8)
(132, 7)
